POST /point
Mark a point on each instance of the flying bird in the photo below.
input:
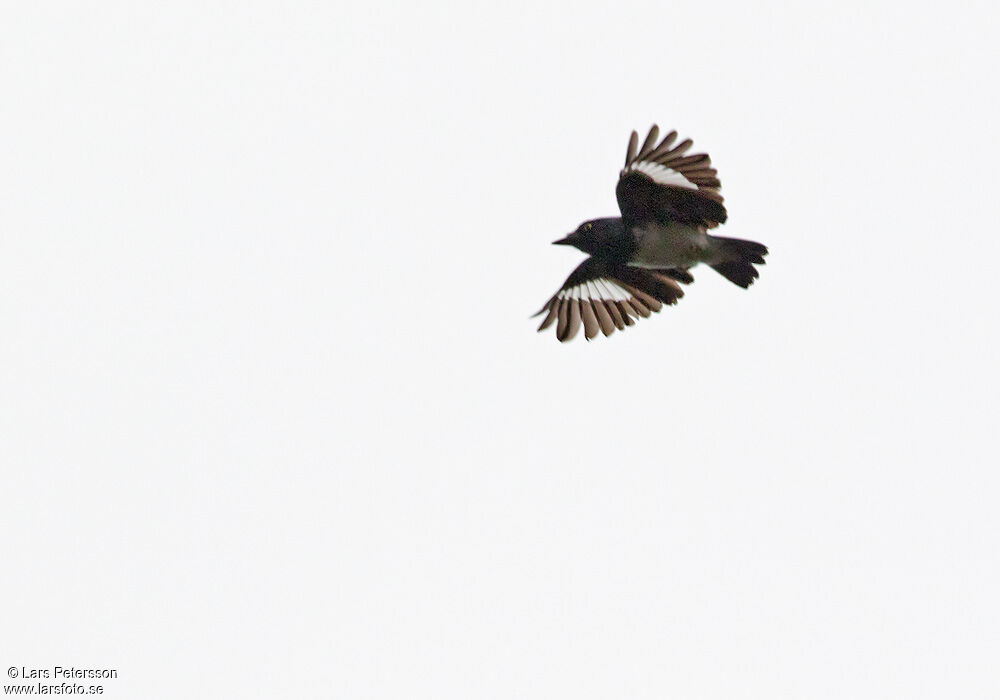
(668, 202)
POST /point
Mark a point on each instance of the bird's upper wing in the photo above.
(603, 296)
(660, 182)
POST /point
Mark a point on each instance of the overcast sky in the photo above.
(276, 422)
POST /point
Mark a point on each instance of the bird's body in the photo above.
(663, 246)
(668, 202)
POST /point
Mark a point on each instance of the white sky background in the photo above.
(275, 421)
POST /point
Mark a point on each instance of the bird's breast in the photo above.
(668, 245)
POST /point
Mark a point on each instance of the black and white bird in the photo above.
(668, 201)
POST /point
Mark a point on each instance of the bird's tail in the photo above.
(737, 259)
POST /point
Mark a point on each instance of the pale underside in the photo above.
(672, 245)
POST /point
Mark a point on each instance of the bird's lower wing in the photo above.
(602, 297)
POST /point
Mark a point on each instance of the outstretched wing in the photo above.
(603, 296)
(659, 182)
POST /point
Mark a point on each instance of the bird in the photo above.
(638, 261)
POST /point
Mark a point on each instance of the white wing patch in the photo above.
(599, 288)
(662, 175)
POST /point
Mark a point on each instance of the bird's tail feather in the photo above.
(738, 259)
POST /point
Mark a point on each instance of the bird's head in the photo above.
(591, 236)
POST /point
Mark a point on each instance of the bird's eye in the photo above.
(586, 227)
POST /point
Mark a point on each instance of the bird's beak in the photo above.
(563, 241)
